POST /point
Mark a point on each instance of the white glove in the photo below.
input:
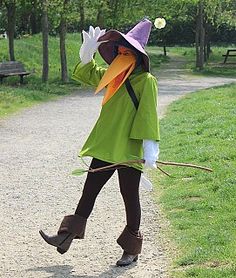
(90, 44)
(145, 183)
(150, 153)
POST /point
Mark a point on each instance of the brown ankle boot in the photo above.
(72, 226)
(131, 243)
(126, 259)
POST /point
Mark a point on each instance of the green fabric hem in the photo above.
(142, 138)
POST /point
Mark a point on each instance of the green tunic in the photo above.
(120, 129)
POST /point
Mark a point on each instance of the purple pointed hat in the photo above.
(137, 37)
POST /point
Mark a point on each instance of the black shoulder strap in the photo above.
(131, 93)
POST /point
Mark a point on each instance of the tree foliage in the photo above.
(118, 14)
(183, 18)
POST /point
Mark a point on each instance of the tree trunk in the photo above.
(113, 5)
(200, 36)
(207, 41)
(208, 48)
(197, 42)
(45, 42)
(82, 17)
(206, 45)
(100, 15)
(11, 23)
(62, 33)
(34, 24)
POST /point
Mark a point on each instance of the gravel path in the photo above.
(38, 150)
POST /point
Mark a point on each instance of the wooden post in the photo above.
(164, 49)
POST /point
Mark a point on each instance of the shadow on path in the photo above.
(59, 271)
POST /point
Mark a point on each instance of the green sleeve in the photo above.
(146, 122)
(89, 73)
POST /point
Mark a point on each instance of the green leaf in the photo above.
(78, 172)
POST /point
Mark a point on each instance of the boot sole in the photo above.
(126, 264)
(61, 251)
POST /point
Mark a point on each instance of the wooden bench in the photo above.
(228, 54)
(12, 68)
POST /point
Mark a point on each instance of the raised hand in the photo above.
(90, 43)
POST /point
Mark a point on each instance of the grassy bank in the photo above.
(28, 50)
(214, 65)
(14, 96)
(201, 207)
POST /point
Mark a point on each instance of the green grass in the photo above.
(201, 129)
(157, 57)
(14, 96)
(214, 65)
(28, 50)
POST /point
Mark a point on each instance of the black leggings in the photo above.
(129, 179)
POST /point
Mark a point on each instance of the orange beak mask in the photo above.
(116, 74)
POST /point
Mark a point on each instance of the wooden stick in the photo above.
(114, 165)
(169, 163)
(185, 165)
(163, 171)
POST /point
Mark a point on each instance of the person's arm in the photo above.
(86, 70)
(146, 123)
(89, 73)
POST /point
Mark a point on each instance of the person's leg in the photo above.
(73, 226)
(129, 179)
(130, 239)
(92, 187)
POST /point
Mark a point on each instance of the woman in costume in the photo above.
(127, 129)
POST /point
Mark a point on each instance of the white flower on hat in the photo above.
(160, 22)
